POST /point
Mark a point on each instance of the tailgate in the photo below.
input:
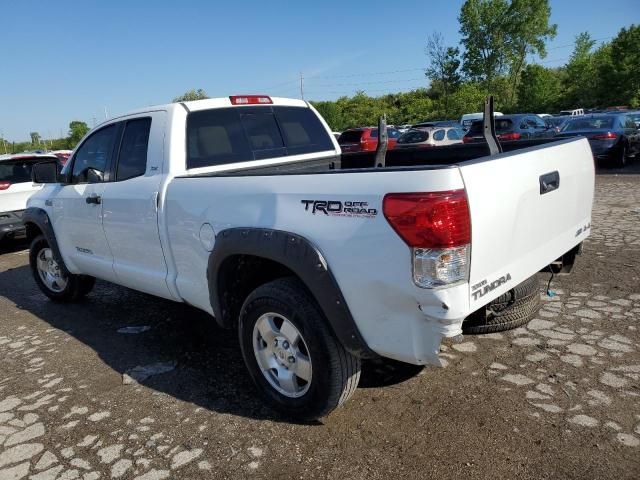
(520, 223)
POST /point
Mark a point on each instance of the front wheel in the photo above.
(50, 276)
(293, 357)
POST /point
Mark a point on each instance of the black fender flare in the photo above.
(301, 257)
(40, 219)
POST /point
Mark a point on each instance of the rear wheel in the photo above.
(621, 161)
(292, 355)
(50, 275)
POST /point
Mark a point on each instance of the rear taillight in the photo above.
(466, 139)
(250, 100)
(605, 136)
(4, 185)
(437, 227)
(509, 136)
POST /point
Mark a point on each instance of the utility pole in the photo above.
(301, 86)
(105, 113)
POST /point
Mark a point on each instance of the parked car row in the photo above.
(614, 135)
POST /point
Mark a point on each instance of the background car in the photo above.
(557, 122)
(575, 111)
(430, 137)
(63, 155)
(15, 189)
(468, 118)
(613, 137)
(512, 127)
(438, 123)
(365, 139)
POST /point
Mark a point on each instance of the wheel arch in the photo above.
(245, 258)
(37, 222)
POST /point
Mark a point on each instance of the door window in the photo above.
(92, 158)
(438, 135)
(132, 160)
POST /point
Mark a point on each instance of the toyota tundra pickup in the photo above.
(245, 207)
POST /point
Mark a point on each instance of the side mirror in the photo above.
(46, 172)
(94, 175)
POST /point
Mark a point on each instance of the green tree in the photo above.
(35, 138)
(77, 130)
(580, 79)
(528, 31)
(443, 69)
(618, 66)
(539, 89)
(484, 30)
(191, 95)
(469, 98)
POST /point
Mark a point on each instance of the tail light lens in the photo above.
(509, 136)
(4, 185)
(466, 139)
(437, 227)
(605, 136)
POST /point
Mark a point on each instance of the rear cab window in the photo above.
(240, 134)
(350, 136)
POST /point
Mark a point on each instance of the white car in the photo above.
(468, 118)
(15, 189)
(239, 206)
(424, 137)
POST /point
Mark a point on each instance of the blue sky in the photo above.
(64, 60)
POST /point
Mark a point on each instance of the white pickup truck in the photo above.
(242, 207)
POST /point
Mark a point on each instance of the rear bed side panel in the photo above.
(516, 230)
(370, 262)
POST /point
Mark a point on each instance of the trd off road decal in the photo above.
(480, 289)
(338, 208)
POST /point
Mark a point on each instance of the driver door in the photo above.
(77, 206)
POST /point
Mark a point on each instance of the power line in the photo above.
(388, 72)
(365, 83)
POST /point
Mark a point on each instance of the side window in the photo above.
(438, 135)
(132, 159)
(92, 158)
(454, 134)
(629, 123)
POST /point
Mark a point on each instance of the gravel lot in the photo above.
(557, 399)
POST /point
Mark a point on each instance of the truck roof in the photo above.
(210, 103)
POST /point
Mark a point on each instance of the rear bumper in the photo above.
(11, 226)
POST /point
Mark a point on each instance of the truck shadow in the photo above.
(209, 369)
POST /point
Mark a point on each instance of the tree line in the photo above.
(77, 130)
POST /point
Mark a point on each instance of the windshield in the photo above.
(502, 125)
(594, 123)
(414, 136)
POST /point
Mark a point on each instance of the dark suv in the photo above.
(512, 127)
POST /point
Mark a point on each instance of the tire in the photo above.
(510, 310)
(332, 372)
(621, 160)
(67, 288)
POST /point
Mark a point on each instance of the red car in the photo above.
(365, 139)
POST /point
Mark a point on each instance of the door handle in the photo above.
(93, 198)
(549, 182)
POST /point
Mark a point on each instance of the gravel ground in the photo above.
(82, 398)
